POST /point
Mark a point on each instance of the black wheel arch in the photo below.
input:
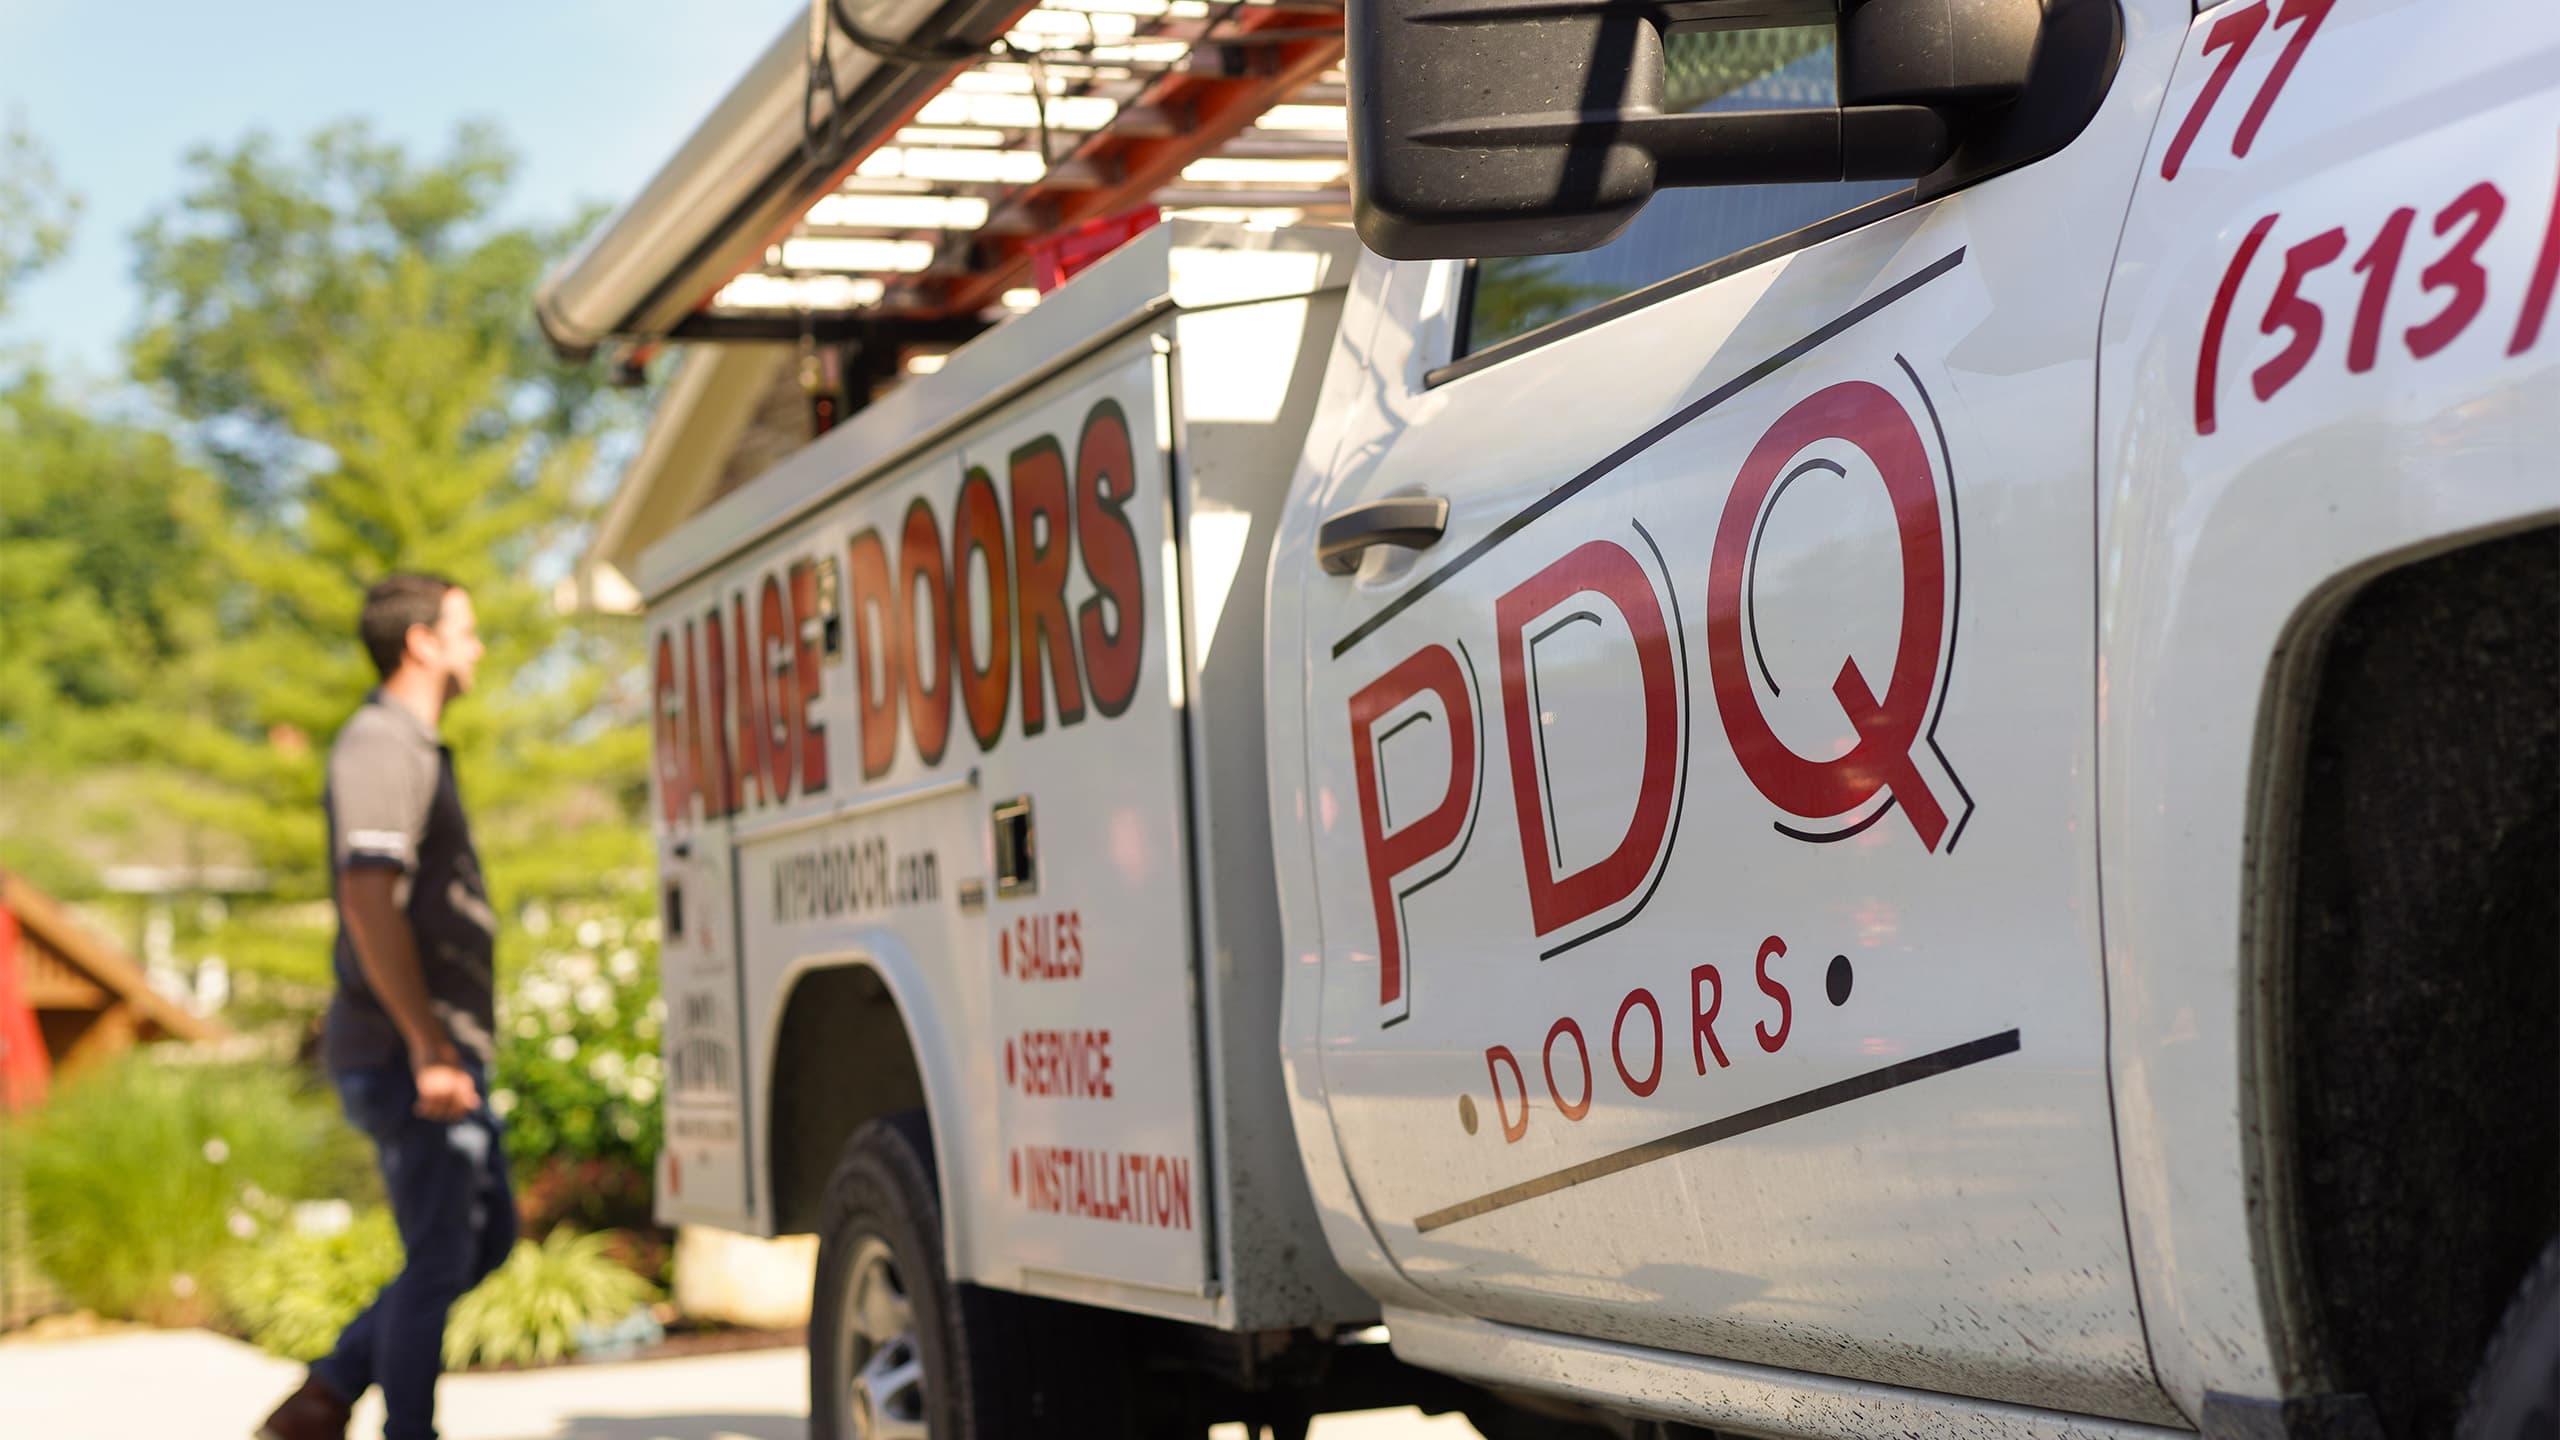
(843, 1055)
(2404, 1004)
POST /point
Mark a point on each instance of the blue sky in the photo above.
(593, 95)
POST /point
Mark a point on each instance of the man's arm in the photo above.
(388, 955)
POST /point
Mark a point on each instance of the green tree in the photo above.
(36, 212)
(101, 589)
(99, 585)
(267, 255)
(345, 334)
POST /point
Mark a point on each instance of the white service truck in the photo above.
(1934, 816)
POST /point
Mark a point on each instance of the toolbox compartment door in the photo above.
(703, 1164)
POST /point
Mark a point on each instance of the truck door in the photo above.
(1703, 823)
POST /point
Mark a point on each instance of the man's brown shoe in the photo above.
(314, 1412)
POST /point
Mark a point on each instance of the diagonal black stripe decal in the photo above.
(1759, 1117)
(1643, 442)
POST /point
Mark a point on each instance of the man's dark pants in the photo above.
(457, 1218)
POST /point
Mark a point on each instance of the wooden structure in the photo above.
(91, 1000)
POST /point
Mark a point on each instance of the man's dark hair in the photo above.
(395, 603)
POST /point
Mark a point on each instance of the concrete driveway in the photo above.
(191, 1385)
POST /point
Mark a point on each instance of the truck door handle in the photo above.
(1415, 522)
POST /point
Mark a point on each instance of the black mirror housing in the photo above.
(1967, 55)
(1536, 127)
(1422, 70)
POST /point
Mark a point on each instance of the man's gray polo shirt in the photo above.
(392, 802)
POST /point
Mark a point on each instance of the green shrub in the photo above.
(293, 1293)
(530, 1310)
(577, 1073)
(141, 1176)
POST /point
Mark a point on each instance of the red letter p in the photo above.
(1399, 701)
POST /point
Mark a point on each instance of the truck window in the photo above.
(1681, 230)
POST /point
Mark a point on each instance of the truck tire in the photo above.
(2516, 1395)
(898, 1352)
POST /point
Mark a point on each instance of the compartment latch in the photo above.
(1017, 849)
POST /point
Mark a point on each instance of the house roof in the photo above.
(68, 967)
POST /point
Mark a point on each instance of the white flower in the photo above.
(625, 965)
(183, 1285)
(216, 1150)
(608, 1065)
(579, 968)
(614, 931)
(590, 933)
(562, 1047)
(241, 1226)
(503, 1102)
(626, 1127)
(321, 1219)
(537, 919)
(594, 996)
(643, 1090)
(525, 1028)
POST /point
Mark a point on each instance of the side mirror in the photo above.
(1537, 127)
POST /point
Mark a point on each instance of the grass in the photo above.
(24, 1292)
(161, 1192)
(139, 1178)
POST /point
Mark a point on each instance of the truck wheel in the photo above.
(882, 1362)
(2516, 1395)
(898, 1352)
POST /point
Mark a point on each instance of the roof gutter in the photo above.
(745, 176)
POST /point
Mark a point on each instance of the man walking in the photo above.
(408, 1035)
